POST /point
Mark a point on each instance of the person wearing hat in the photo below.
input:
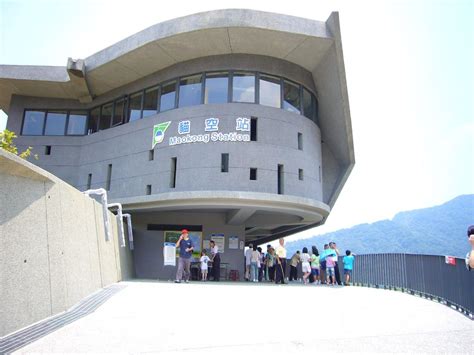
(470, 255)
(186, 248)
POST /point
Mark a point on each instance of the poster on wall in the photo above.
(169, 254)
(219, 240)
(233, 242)
(196, 238)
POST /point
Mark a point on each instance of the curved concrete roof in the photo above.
(313, 45)
(300, 41)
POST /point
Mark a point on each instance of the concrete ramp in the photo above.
(240, 318)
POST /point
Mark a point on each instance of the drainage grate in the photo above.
(30, 334)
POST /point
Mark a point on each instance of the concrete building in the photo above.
(234, 124)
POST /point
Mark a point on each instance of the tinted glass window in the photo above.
(150, 102)
(243, 87)
(105, 117)
(270, 94)
(190, 91)
(217, 88)
(135, 107)
(77, 122)
(118, 112)
(94, 120)
(168, 95)
(33, 123)
(291, 97)
(309, 105)
(55, 123)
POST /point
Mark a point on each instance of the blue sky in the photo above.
(409, 73)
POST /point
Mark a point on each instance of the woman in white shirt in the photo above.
(305, 265)
(216, 261)
(254, 260)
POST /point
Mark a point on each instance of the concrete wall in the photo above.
(148, 253)
(53, 251)
(126, 147)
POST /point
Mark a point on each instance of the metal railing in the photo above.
(427, 276)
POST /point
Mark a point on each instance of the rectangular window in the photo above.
(109, 177)
(135, 106)
(168, 96)
(253, 173)
(174, 162)
(77, 123)
(150, 101)
(291, 97)
(105, 116)
(190, 91)
(300, 141)
(280, 179)
(309, 105)
(94, 120)
(300, 174)
(253, 129)
(224, 162)
(89, 181)
(270, 91)
(47, 150)
(243, 87)
(151, 154)
(119, 108)
(148, 189)
(216, 88)
(55, 123)
(33, 123)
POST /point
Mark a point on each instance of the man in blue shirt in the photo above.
(186, 248)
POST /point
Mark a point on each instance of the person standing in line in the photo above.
(186, 248)
(348, 262)
(248, 254)
(305, 266)
(470, 255)
(322, 261)
(281, 262)
(330, 265)
(204, 267)
(271, 261)
(254, 264)
(315, 265)
(295, 259)
(216, 261)
(260, 264)
(333, 246)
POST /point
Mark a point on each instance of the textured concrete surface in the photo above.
(197, 318)
(53, 248)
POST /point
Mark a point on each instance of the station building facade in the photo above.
(234, 124)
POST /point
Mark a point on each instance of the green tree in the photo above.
(6, 140)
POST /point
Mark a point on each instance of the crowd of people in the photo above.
(318, 268)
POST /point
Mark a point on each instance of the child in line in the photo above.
(305, 266)
(204, 260)
(330, 265)
(315, 265)
(348, 262)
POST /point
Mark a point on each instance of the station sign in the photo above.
(211, 132)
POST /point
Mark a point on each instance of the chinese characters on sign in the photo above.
(212, 125)
(242, 125)
(184, 127)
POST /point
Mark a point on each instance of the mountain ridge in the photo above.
(435, 230)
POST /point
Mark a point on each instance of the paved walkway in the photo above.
(242, 318)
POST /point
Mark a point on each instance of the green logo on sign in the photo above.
(159, 132)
